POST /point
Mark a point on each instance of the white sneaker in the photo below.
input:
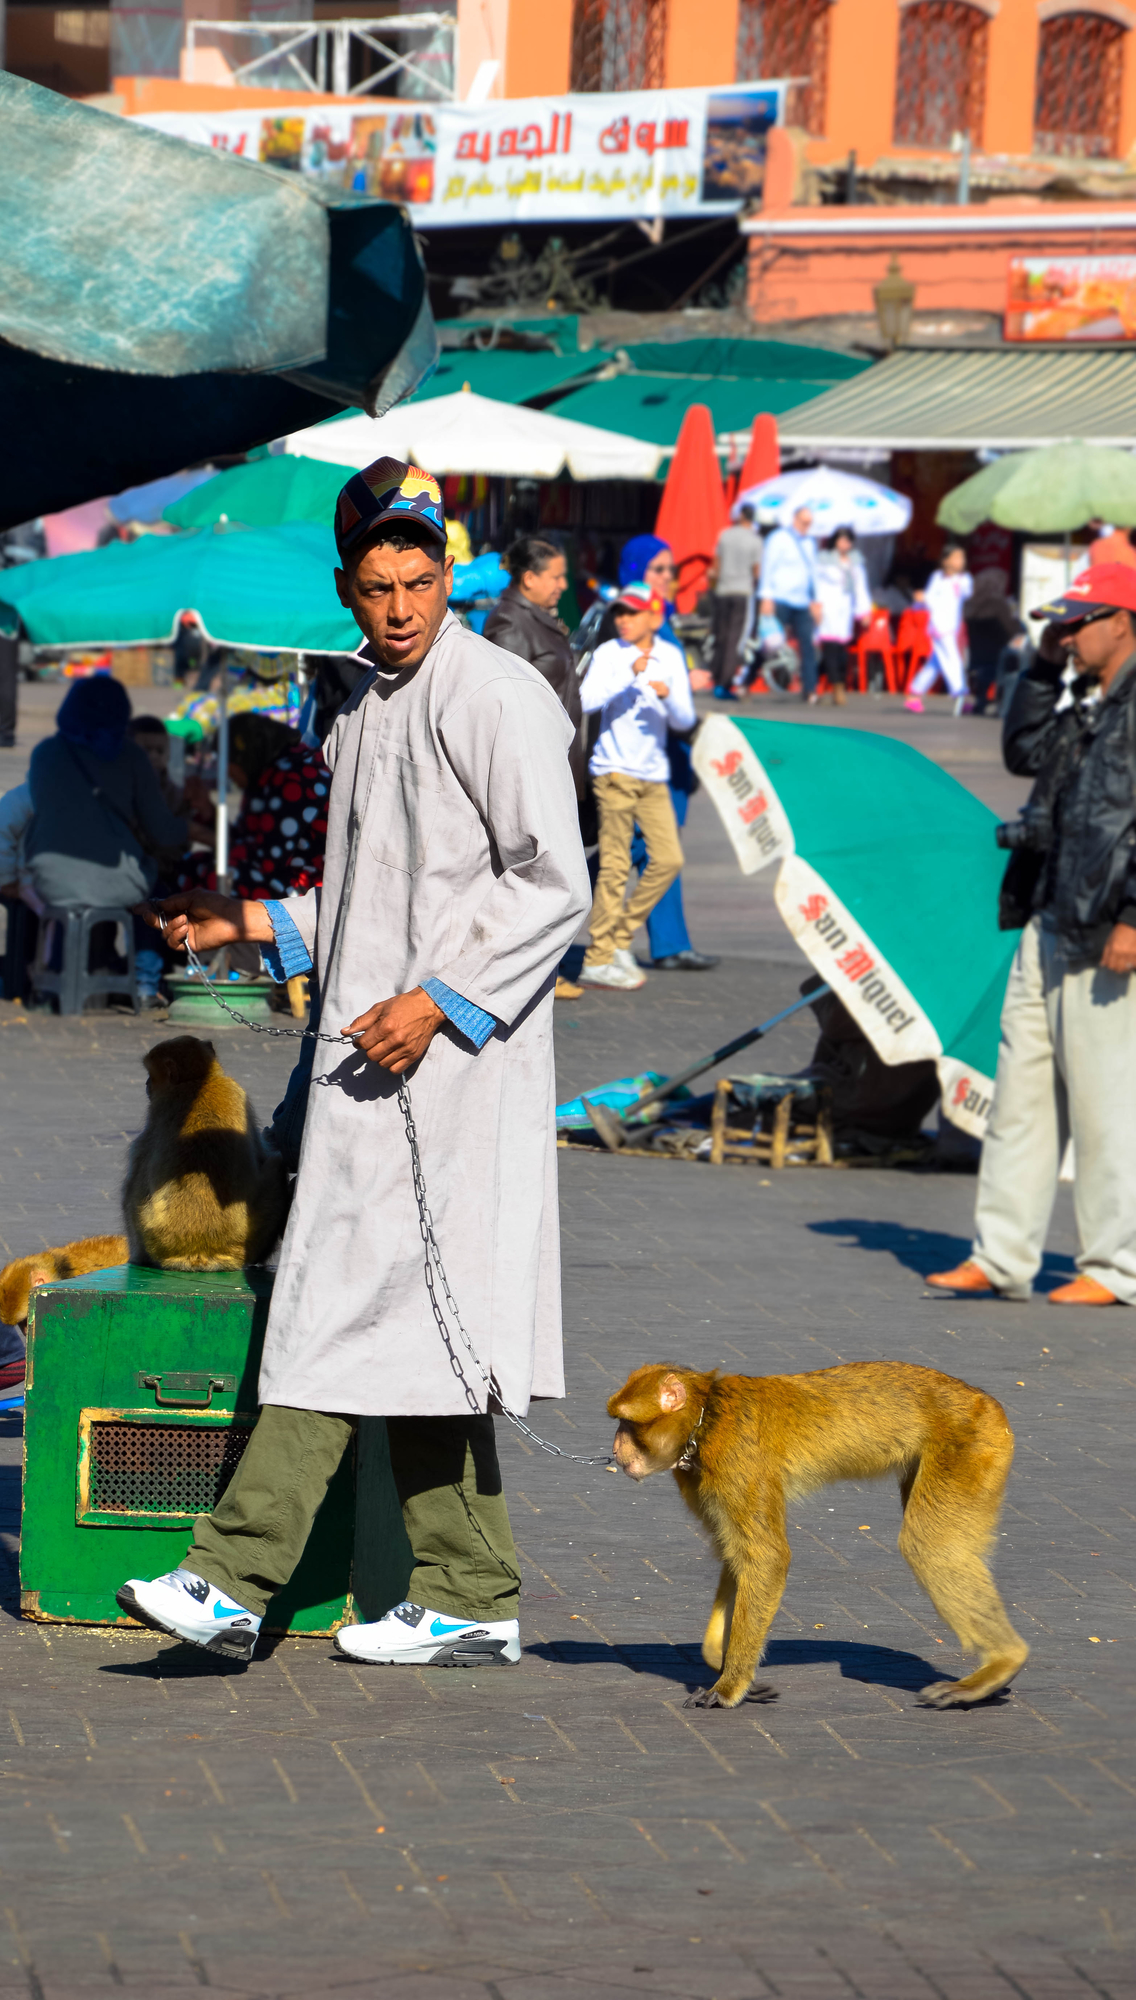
(614, 975)
(626, 958)
(190, 1608)
(410, 1635)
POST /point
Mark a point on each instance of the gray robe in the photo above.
(453, 852)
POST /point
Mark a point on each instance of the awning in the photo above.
(653, 406)
(509, 377)
(467, 433)
(965, 401)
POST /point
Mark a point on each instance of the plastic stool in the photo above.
(74, 985)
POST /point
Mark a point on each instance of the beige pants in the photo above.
(621, 802)
(1066, 1068)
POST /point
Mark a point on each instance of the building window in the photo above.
(940, 85)
(787, 38)
(1079, 67)
(618, 44)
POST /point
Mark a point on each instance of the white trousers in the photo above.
(1066, 1068)
(945, 660)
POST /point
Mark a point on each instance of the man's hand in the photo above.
(203, 919)
(396, 1032)
(661, 688)
(1119, 954)
(817, 610)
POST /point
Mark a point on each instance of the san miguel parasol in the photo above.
(888, 878)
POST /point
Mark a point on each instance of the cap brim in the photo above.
(1070, 611)
(363, 530)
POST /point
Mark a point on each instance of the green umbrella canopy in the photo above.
(888, 879)
(163, 302)
(263, 494)
(271, 588)
(1050, 491)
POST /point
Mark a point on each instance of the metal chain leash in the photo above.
(433, 1257)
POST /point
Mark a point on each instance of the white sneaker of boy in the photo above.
(413, 1636)
(190, 1608)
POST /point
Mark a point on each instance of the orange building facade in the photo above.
(877, 77)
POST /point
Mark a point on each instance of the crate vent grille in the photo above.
(162, 1468)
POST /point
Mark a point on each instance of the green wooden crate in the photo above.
(141, 1391)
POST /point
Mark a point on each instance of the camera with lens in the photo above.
(1032, 830)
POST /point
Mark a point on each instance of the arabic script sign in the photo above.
(635, 153)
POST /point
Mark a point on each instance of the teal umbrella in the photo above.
(270, 588)
(888, 878)
(263, 494)
(1050, 491)
(164, 302)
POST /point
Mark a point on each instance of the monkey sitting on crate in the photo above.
(203, 1192)
(741, 1446)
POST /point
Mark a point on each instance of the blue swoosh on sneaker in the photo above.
(441, 1626)
(226, 1610)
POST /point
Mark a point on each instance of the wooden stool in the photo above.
(789, 1142)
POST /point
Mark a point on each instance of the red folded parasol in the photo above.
(693, 509)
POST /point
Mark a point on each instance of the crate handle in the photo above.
(186, 1391)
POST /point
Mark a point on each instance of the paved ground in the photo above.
(564, 1828)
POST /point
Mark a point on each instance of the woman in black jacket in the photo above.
(524, 622)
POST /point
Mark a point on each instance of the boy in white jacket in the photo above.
(640, 683)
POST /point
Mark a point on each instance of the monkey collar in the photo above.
(690, 1449)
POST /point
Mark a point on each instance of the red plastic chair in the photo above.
(913, 642)
(875, 640)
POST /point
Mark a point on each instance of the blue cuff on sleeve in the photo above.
(288, 955)
(472, 1022)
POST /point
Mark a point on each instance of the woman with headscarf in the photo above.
(646, 559)
(279, 835)
(100, 829)
(991, 623)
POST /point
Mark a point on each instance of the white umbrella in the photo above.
(473, 434)
(835, 499)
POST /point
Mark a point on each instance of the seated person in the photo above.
(151, 735)
(100, 833)
(277, 842)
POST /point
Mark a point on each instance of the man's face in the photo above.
(955, 562)
(157, 749)
(634, 626)
(398, 599)
(1094, 644)
(803, 520)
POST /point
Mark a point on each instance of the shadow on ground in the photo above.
(925, 1250)
(882, 1666)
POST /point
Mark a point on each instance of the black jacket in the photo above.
(1085, 764)
(538, 637)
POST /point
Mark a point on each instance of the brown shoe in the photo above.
(839, 694)
(969, 1277)
(566, 991)
(1083, 1292)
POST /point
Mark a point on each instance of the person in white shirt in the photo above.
(789, 589)
(640, 684)
(946, 594)
(844, 599)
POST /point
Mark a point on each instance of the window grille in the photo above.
(1079, 68)
(787, 38)
(180, 1469)
(618, 44)
(941, 77)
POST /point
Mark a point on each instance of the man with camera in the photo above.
(1068, 1054)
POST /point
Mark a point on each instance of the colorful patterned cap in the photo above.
(638, 597)
(388, 490)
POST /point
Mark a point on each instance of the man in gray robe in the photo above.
(454, 881)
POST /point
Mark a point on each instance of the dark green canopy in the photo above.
(164, 304)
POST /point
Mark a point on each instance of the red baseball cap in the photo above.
(1099, 589)
(640, 597)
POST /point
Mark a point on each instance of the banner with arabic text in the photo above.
(642, 153)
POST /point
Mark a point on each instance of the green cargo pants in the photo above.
(449, 1488)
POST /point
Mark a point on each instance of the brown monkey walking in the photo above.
(203, 1192)
(19, 1279)
(741, 1446)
